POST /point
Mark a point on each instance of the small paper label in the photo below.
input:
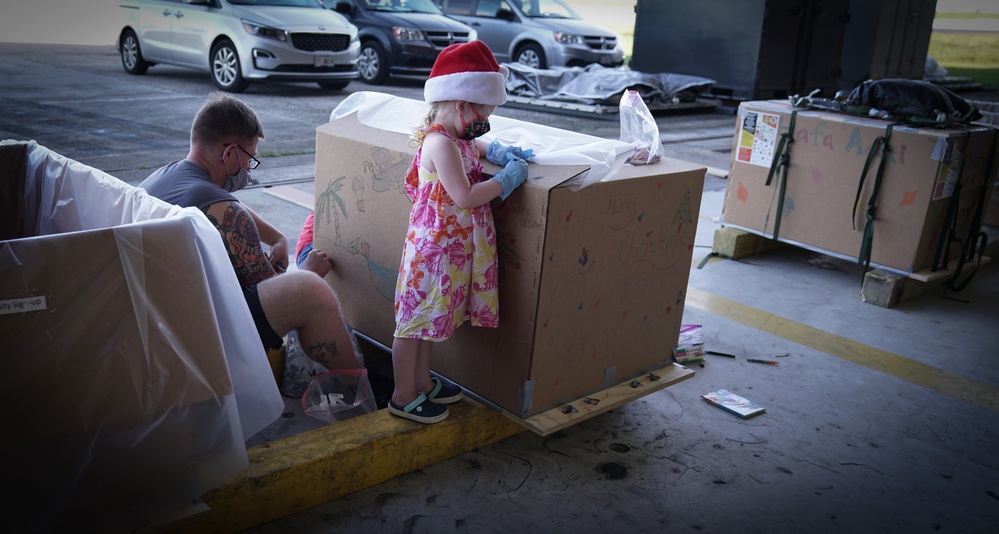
(24, 305)
(757, 138)
(950, 171)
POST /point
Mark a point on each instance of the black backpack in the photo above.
(917, 102)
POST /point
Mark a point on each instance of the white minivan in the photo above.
(241, 41)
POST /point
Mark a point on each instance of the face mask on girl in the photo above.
(477, 128)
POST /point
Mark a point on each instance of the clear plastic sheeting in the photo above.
(597, 84)
(551, 146)
(132, 369)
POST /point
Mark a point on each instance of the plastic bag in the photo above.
(299, 369)
(339, 395)
(639, 128)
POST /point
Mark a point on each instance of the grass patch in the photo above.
(965, 49)
(966, 54)
(953, 15)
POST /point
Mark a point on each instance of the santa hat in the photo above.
(467, 72)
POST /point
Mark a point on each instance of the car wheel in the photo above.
(131, 54)
(371, 63)
(334, 86)
(531, 55)
(226, 71)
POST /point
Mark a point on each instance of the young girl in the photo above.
(449, 269)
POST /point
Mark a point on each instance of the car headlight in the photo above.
(265, 31)
(407, 34)
(568, 38)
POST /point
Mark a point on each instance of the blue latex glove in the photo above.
(498, 154)
(511, 176)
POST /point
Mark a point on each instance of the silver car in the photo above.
(241, 41)
(537, 33)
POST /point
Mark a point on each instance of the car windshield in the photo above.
(547, 9)
(293, 3)
(402, 6)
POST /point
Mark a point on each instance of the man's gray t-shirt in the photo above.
(185, 184)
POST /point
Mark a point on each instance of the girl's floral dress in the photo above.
(449, 269)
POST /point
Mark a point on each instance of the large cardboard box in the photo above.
(592, 281)
(826, 162)
(123, 332)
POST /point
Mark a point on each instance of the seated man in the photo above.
(224, 139)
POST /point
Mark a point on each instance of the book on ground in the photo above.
(731, 402)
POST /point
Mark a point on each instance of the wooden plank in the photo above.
(302, 471)
(556, 419)
(293, 195)
(887, 289)
(927, 275)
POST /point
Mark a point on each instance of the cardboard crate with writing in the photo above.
(927, 172)
(990, 117)
(118, 327)
(592, 281)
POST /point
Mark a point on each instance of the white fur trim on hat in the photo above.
(480, 87)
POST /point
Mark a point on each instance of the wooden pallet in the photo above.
(887, 289)
(881, 287)
(577, 411)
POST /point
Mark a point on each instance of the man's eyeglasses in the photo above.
(253, 162)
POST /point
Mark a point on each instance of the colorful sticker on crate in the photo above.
(950, 170)
(757, 138)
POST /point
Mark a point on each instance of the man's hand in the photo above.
(278, 255)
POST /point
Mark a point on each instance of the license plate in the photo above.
(606, 60)
(324, 61)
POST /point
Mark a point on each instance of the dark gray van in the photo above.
(399, 37)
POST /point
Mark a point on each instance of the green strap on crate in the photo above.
(778, 167)
(975, 233)
(883, 143)
(948, 230)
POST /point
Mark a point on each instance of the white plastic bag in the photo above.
(339, 395)
(639, 129)
(299, 369)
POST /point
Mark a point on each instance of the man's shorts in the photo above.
(268, 336)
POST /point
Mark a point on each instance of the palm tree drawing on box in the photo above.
(327, 204)
(385, 172)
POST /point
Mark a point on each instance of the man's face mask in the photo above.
(235, 182)
(477, 128)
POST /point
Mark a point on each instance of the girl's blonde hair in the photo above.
(436, 108)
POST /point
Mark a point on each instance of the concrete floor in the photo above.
(878, 420)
